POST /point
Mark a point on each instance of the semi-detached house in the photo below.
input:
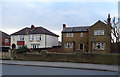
(34, 37)
(4, 41)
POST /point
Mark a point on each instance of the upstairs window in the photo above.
(6, 40)
(98, 32)
(38, 37)
(69, 34)
(31, 37)
(81, 34)
(20, 38)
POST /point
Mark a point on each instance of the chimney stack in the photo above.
(64, 26)
(109, 20)
(32, 27)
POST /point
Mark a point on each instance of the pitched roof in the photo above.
(99, 21)
(4, 35)
(76, 29)
(35, 30)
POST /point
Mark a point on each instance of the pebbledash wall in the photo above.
(46, 40)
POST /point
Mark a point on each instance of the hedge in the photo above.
(110, 59)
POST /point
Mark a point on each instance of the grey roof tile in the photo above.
(76, 29)
(4, 35)
(36, 30)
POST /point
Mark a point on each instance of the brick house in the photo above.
(4, 41)
(95, 38)
(34, 38)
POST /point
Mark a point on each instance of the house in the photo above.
(34, 37)
(95, 38)
(4, 41)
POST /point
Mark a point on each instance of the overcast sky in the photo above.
(51, 15)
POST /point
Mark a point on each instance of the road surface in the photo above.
(35, 70)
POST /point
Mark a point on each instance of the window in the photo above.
(81, 34)
(98, 32)
(69, 34)
(102, 32)
(99, 46)
(6, 40)
(20, 38)
(68, 45)
(31, 37)
(95, 32)
(38, 37)
(81, 46)
(34, 46)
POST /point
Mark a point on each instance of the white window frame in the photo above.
(38, 37)
(69, 35)
(99, 32)
(38, 46)
(68, 45)
(20, 38)
(6, 40)
(81, 34)
(34, 46)
(102, 32)
(101, 44)
(95, 32)
(31, 37)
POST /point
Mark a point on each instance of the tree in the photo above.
(115, 31)
(22, 49)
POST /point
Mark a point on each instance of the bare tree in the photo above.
(115, 32)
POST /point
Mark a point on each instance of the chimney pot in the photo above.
(64, 25)
(32, 27)
(109, 20)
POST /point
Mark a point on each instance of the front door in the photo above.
(13, 46)
(81, 47)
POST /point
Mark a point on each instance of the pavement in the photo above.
(100, 67)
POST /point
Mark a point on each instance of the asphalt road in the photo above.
(33, 70)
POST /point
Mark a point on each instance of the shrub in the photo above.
(22, 49)
(43, 51)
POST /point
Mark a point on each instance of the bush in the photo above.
(22, 49)
(43, 51)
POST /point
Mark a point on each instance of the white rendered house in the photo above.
(34, 37)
